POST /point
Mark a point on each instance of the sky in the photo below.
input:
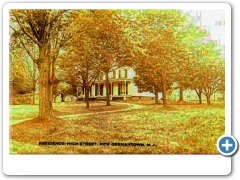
(212, 20)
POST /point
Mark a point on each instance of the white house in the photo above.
(121, 85)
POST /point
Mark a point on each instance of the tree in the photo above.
(110, 43)
(20, 72)
(63, 89)
(49, 30)
(80, 66)
(34, 82)
(208, 70)
(79, 61)
(212, 69)
(187, 37)
(144, 80)
(158, 46)
(196, 80)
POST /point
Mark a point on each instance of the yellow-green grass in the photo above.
(20, 113)
(179, 129)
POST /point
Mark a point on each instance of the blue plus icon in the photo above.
(227, 145)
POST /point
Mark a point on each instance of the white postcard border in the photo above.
(114, 164)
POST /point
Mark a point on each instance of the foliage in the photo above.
(49, 30)
(79, 63)
(110, 42)
(208, 74)
(21, 75)
(20, 72)
(188, 36)
(158, 53)
(63, 89)
(74, 47)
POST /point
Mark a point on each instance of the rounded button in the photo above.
(227, 145)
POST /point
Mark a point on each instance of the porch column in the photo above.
(111, 92)
(93, 90)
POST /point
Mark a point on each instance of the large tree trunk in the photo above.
(87, 96)
(164, 95)
(45, 96)
(52, 64)
(156, 94)
(208, 96)
(199, 93)
(181, 94)
(62, 97)
(107, 90)
(33, 97)
(34, 84)
(200, 98)
(164, 98)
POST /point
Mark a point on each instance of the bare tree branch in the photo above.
(23, 44)
(25, 31)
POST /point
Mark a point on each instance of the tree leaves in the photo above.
(165, 47)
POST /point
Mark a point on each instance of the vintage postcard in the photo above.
(146, 81)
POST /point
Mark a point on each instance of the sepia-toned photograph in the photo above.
(116, 81)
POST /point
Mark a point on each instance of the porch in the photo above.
(118, 90)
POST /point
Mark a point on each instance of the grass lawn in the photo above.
(180, 129)
(20, 113)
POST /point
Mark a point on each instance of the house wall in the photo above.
(134, 89)
(130, 74)
(131, 88)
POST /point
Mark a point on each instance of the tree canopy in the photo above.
(73, 47)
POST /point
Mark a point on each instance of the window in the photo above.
(114, 74)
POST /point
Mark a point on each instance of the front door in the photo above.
(101, 89)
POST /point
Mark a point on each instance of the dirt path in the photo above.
(74, 116)
(131, 107)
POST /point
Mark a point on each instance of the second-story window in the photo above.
(114, 74)
(126, 75)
